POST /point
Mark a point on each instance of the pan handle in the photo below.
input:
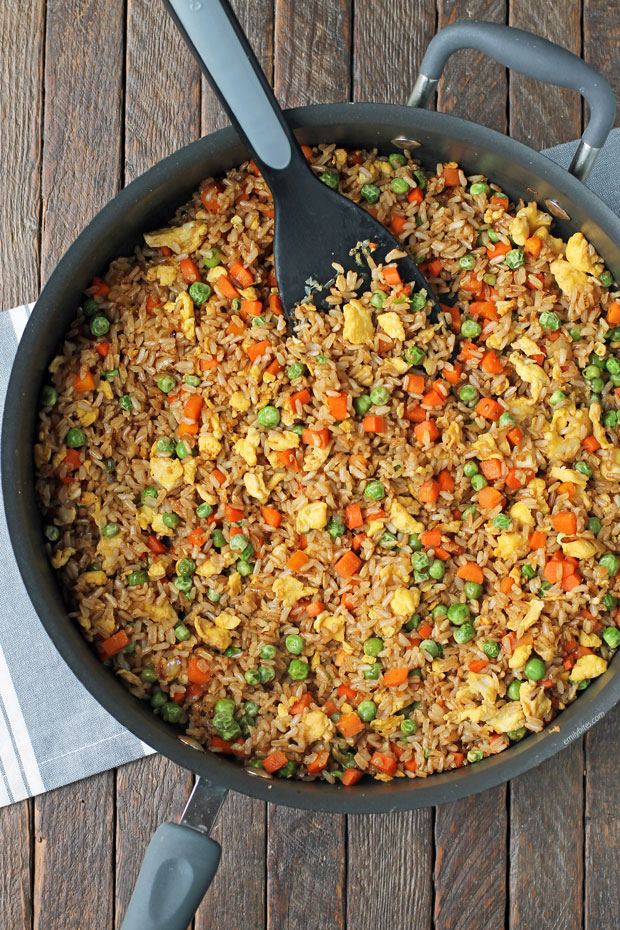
(531, 55)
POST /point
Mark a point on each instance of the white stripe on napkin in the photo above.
(19, 318)
(8, 697)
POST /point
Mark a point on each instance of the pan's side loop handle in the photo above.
(536, 57)
(178, 867)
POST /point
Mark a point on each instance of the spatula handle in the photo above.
(223, 52)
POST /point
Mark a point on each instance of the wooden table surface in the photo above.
(93, 94)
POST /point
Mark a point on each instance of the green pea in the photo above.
(527, 571)
(431, 648)
(111, 374)
(166, 383)
(238, 542)
(51, 532)
(490, 279)
(379, 396)
(490, 649)
(478, 482)
(295, 370)
(468, 512)
(468, 394)
(182, 449)
(194, 380)
(506, 419)
(550, 320)
(110, 529)
(374, 491)
(268, 416)
(611, 635)
(149, 493)
(370, 192)
(582, 685)
(408, 727)
(288, 770)
(373, 646)
(475, 755)
(458, 613)
(399, 185)
(236, 304)
(557, 397)
(420, 577)
(137, 577)
(575, 333)
(204, 510)
(463, 634)
(479, 187)
(516, 735)
(414, 355)
(397, 160)
(165, 444)
(612, 365)
(331, 178)
(298, 670)
(211, 258)
(213, 595)
(610, 419)
(258, 320)
(251, 709)
(584, 468)
(535, 669)
(99, 325)
(244, 567)
(420, 178)
(437, 570)
(266, 673)
(362, 404)
(418, 302)
(218, 539)
(232, 651)
(413, 623)
(493, 236)
(199, 293)
(49, 395)
(611, 562)
(610, 602)
(183, 583)
(502, 521)
(514, 689)
(372, 673)
(252, 676)
(158, 699)
(75, 438)
(294, 643)
(377, 299)
(148, 675)
(606, 279)
(186, 567)
(171, 520)
(181, 632)
(415, 543)
(388, 540)
(597, 387)
(515, 258)
(594, 525)
(470, 469)
(467, 261)
(126, 403)
(420, 561)
(473, 590)
(590, 372)
(470, 329)
(367, 711)
(440, 610)
(91, 306)
(268, 651)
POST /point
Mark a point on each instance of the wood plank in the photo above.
(149, 791)
(602, 823)
(313, 51)
(21, 76)
(16, 831)
(601, 22)
(473, 85)
(470, 864)
(236, 898)
(397, 851)
(402, 25)
(256, 18)
(542, 115)
(162, 93)
(305, 870)
(74, 856)
(546, 845)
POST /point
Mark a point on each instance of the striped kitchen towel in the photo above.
(52, 731)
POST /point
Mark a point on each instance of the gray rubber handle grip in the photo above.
(223, 52)
(531, 55)
(178, 867)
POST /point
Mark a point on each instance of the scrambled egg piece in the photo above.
(167, 472)
(165, 273)
(334, 625)
(87, 415)
(505, 306)
(160, 613)
(452, 435)
(109, 548)
(386, 727)
(526, 345)
(588, 667)
(234, 584)
(227, 621)
(508, 544)
(405, 601)
(311, 517)
(212, 635)
(591, 640)
(475, 714)
(564, 434)
(402, 519)
(522, 514)
(185, 238)
(61, 556)
(534, 610)
(597, 429)
(94, 577)
(484, 685)
(530, 372)
(189, 470)
(374, 527)
(248, 446)
(280, 442)
(184, 306)
(568, 474)
(554, 244)
(580, 548)
(157, 570)
(520, 656)
(209, 446)
(289, 590)
(610, 464)
(485, 447)
(567, 277)
(206, 569)
(213, 274)
(316, 725)
(510, 717)
(526, 221)
(239, 401)
(534, 704)
(399, 365)
(583, 256)
(392, 324)
(255, 486)
(358, 325)
(106, 389)
(157, 522)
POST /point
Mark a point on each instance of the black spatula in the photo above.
(314, 225)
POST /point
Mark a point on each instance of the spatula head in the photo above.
(316, 226)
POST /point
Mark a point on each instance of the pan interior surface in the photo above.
(150, 201)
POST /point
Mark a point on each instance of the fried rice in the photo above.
(376, 545)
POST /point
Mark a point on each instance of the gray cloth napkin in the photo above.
(52, 732)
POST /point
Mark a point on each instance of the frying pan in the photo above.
(189, 856)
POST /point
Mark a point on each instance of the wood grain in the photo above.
(74, 856)
(236, 899)
(312, 51)
(600, 41)
(397, 851)
(602, 823)
(402, 25)
(542, 115)
(470, 862)
(149, 792)
(546, 845)
(305, 870)
(473, 85)
(16, 835)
